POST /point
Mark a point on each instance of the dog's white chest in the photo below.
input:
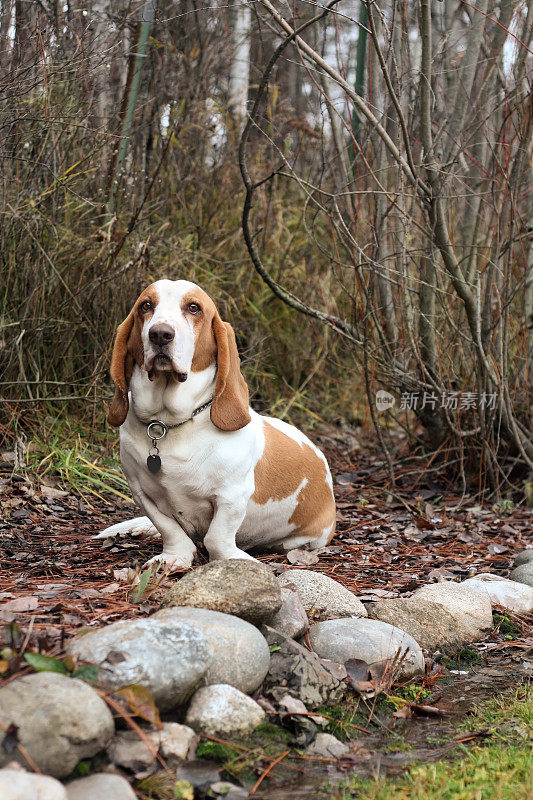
(193, 469)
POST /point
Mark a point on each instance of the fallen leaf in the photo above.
(11, 739)
(439, 573)
(135, 596)
(404, 712)
(45, 663)
(302, 558)
(496, 549)
(110, 588)
(51, 491)
(121, 574)
(141, 703)
(28, 603)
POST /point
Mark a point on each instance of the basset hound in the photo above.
(201, 464)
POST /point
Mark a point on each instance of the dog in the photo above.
(201, 463)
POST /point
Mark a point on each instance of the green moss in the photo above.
(500, 768)
(274, 733)
(506, 626)
(82, 769)
(484, 773)
(465, 658)
(413, 693)
(399, 745)
(216, 751)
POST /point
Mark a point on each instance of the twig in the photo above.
(269, 769)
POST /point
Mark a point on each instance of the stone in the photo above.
(174, 742)
(169, 659)
(523, 573)
(369, 640)
(472, 611)
(304, 675)
(16, 784)
(510, 594)
(239, 654)
(229, 791)
(199, 773)
(60, 721)
(127, 750)
(524, 557)
(100, 786)
(222, 710)
(247, 589)
(327, 746)
(291, 620)
(322, 595)
(430, 624)
(177, 742)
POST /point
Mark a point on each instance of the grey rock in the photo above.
(174, 742)
(168, 659)
(229, 791)
(304, 675)
(247, 589)
(177, 742)
(222, 710)
(472, 611)
(524, 557)
(510, 594)
(16, 784)
(430, 624)
(100, 786)
(368, 640)
(60, 720)
(328, 746)
(322, 594)
(291, 620)
(239, 654)
(523, 573)
(199, 773)
(127, 750)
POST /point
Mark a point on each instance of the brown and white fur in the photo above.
(229, 477)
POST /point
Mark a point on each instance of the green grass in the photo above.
(82, 458)
(499, 768)
(507, 627)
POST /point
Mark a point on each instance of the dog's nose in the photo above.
(161, 334)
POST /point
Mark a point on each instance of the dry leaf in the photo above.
(403, 713)
(141, 703)
(28, 603)
(302, 558)
(51, 491)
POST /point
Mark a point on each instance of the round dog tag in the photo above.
(153, 463)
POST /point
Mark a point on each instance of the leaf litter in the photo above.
(56, 581)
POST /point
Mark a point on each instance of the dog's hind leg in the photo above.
(136, 526)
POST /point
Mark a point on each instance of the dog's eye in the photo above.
(193, 308)
(145, 307)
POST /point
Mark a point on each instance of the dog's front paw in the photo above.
(170, 561)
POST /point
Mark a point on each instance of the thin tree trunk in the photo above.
(240, 63)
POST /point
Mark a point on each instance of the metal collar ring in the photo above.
(152, 428)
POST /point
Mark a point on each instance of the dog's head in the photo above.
(175, 328)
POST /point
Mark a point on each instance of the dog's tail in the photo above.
(135, 526)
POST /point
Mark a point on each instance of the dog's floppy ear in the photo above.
(121, 369)
(229, 410)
